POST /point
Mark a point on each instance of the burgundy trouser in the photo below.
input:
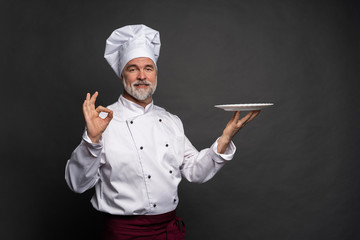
(165, 226)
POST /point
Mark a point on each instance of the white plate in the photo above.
(244, 107)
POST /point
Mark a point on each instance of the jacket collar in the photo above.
(132, 109)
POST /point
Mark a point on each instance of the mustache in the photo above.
(141, 82)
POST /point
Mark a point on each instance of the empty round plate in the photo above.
(244, 107)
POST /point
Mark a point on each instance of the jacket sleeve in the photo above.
(201, 166)
(82, 169)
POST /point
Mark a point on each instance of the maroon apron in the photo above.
(165, 226)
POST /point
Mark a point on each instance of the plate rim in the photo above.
(244, 105)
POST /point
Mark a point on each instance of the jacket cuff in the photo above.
(94, 148)
(227, 155)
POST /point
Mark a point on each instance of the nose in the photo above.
(141, 75)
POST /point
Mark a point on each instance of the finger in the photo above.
(87, 97)
(86, 103)
(84, 106)
(103, 109)
(93, 98)
(244, 119)
(236, 116)
(109, 116)
(252, 114)
(232, 120)
(255, 113)
(106, 110)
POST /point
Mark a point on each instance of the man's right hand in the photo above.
(94, 123)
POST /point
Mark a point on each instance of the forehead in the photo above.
(141, 61)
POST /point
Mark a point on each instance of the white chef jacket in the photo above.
(139, 162)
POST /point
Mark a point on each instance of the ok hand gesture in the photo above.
(94, 123)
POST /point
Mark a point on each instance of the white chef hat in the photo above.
(129, 42)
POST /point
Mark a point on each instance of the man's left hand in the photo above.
(233, 127)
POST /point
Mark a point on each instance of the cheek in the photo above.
(152, 78)
(128, 80)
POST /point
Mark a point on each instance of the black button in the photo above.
(166, 145)
(154, 205)
(160, 120)
(141, 148)
(131, 122)
(170, 171)
(149, 176)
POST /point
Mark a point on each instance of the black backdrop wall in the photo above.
(295, 173)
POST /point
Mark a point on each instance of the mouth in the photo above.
(141, 85)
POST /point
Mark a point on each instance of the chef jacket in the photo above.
(139, 162)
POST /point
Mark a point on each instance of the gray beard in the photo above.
(140, 94)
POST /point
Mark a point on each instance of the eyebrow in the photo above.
(130, 66)
(134, 65)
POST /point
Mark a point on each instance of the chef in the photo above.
(136, 153)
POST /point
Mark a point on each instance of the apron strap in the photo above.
(175, 230)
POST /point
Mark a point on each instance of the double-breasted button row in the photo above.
(160, 120)
(141, 147)
(174, 201)
(149, 176)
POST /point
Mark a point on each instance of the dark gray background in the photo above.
(295, 173)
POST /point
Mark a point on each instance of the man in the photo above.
(135, 153)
